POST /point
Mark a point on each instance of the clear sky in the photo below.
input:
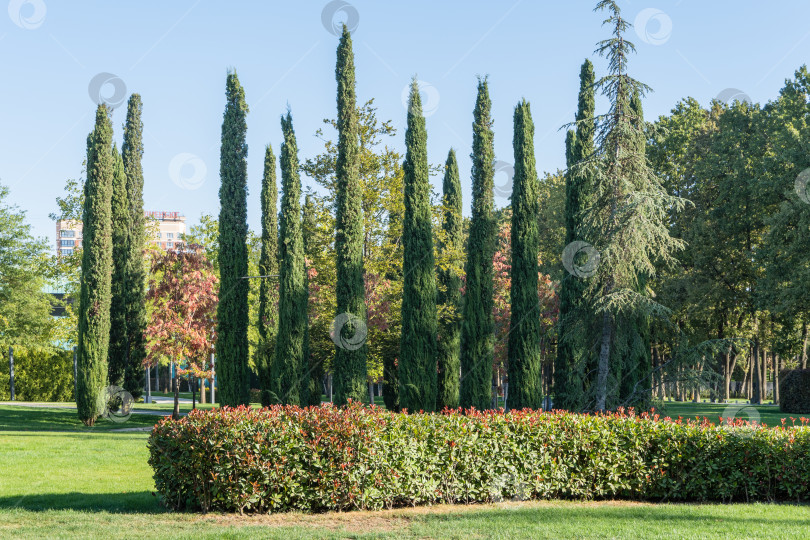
(176, 55)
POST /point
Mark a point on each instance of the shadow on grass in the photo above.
(13, 418)
(136, 502)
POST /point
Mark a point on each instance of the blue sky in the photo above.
(176, 55)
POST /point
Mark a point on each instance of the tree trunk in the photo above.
(604, 357)
(176, 412)
(756, 374)
(804, 345)
(776, 362)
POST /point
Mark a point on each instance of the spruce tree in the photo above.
(132, 153)
(94, 299)
(232, 309)
(313, 367)
(268, 267)
(478, 327)
(525, 384)
(574, 321)
(118, 355)
(350, 362)
(417, 360)
(292, 303)
(449, 293)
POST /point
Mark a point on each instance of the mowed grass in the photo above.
(766, 414)
(59, 479)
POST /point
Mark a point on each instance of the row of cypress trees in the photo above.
(112, 317)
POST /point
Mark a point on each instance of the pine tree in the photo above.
(268, 267)
(132, 153)
(628, 218)
(94, 300)
(118, 355)
(417, 360)
(232, 310)
(350, 362)
(313, 366)
(449, 295)
(525, 384)
(478, 327)
(292, 303)
(574, 320)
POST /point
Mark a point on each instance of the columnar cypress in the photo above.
(132, 153)
(292, 303)
(94, 300)
(118, 352)
(449, 295)
(232, 309)
(478, 327)
(268, 266)
(312, 366)
(525, 384)
(572, 349)
(417, 360)
(350, 362)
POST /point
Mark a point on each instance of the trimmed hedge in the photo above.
(794, 391)
(325, 458)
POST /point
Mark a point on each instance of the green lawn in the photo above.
(61, 479)
(767, 414)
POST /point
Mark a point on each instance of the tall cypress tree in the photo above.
(478, 326)
(268, 266)
(132, 153)
(292, 303)
(525, 384)
(449, 294)
(313, 367)
(573, 356)
(417, 359)
(350, 363)
(94, 299)
(118, 355)
(232, 309)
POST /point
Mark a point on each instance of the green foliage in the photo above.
(94, 302)
(478, 326)
(118, 355)
(40, 374)
(417, 359)
(232, 310)
(450, 250)
(288, 364)
(525, 386)
(349, 368)
(268, 267)
(329, 459)
(794, 391)
(312, 365)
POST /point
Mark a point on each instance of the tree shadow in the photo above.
(136, 502)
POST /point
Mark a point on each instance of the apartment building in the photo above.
(167, 227)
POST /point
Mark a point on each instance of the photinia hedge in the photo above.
(326, 458)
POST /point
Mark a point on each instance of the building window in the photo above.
(169, 236)
(67, 234)
(67, 252)
(168, 245)
(66, 243)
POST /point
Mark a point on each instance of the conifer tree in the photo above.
(132, 153)
(350, 362)
(417, 360)
(268, 267)
(313, 366)
(118, 355)
(449, 293)
(573, 358)
(478, 326)
(94, 300)
(292, 303)
(232, 309)
(525, 384)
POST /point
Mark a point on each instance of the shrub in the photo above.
(325, 458)
(794, 391)
(39, 375)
